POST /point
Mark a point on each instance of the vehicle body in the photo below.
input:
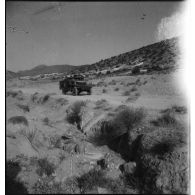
(75, 84)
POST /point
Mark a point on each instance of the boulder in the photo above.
(128, 168)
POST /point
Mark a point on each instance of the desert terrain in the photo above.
(129, 136)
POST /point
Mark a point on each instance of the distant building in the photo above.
(103, 71)
(139, 64)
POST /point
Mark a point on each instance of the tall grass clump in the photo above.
(75, 113)
(113, 82)
(18, 120)
(101, 104)
(179, 109)
(126, 93)
(97, 178)
(45, 167)
(84, 184)
(29, 134)
(11, 93)
(133, 88)
(104, 90)
(90, 180)
(38, 98)
(123, 122)
(175, 109)
(25, 108)
(34, 97)
(45, 98)
(14, 93)
(62, 101)
(46, 121)
(13, 185)
(166, 119)
(130, 117)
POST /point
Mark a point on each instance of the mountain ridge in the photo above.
(164, 53)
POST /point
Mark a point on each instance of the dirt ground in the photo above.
(47, 119)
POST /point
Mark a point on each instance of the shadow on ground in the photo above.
(13, 186)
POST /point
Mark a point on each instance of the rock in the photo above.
(128, 168)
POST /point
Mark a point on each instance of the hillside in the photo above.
(10, 75)
(44, 69)
(164, 54)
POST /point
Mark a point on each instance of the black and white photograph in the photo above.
(95, 100)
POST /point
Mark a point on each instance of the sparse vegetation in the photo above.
(29, 134)
(18, 120)
(25, 108)
(13, 185)
(97, 178)
(113, 82)
(159, 157)
(137, 81)
(100, 84)
(133, 89)
(130, 117)
(137, 94)
(163, 147)
(128, 84)
(62, 101)
(86, 183)
(175, 109)
(46, 121)
(101, 104)
(136, 70)
(90, 180)
(124, 121)
(126, 93)
(104, 90)
(43, 186)
(38, 98)
(55, 141)
(75, 112)
(145, 82)
(45, 167)
(34, 97)
(166, 119)
(133, 97)
(45, 98)
(155, 154)
(13, 93)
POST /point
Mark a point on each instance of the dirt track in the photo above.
(159, 92)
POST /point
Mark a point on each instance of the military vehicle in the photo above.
(75, 84)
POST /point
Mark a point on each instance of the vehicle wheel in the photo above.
(89, 92)
(75, 92)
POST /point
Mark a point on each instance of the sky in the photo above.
(79, 33)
